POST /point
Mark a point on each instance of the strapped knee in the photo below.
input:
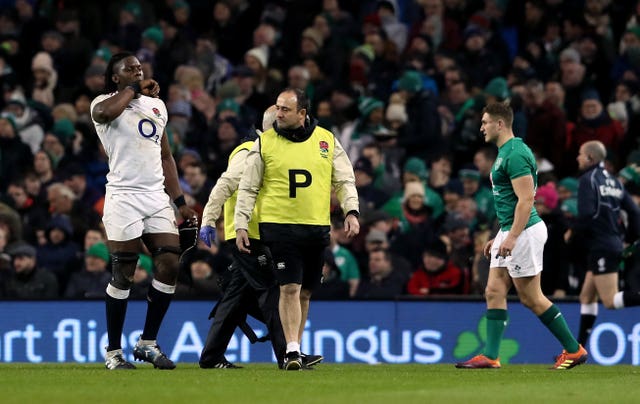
(122, 263)
(164, 250)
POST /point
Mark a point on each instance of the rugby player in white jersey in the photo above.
(142, 181)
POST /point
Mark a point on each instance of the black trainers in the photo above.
(225, 364)
(310, 360)
(114, 360)
(292, 361)
(153, 355)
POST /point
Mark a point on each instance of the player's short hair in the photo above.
(500, 110)
(109, 85)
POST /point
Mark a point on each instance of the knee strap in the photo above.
(121, 261)
(164, 250)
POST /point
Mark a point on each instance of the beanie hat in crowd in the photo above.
(413, 188)
(22, 249)
(99, 250)
(631, 174)
(498, 88)
(416, 166)
(410, 81)
(365, 51)
(145, 262)
(376, 236)
(590, 94)
(469, 172)
(366, 105)
(154, 34)
(42, 61)
(133, 8)
(570, 183)
(61, 222)
(363, 164)
(437, 248)
(314, 35)
(63, 129)
(547, 195)
(260, 53)
(397, 112)
(228, 104)
(103, 53)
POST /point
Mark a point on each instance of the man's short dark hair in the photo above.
(500, 110)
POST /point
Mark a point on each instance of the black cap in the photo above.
(363, 164)
(22, 249)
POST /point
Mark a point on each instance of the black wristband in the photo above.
(354, 213)
(179, 201)
(135, 87)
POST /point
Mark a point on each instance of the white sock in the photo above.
(589, 308)
(293, 347)
(618, 302)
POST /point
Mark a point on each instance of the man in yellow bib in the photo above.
(294, 166)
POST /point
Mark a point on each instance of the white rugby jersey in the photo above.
(132, 143)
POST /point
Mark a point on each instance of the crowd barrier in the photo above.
(426, 332)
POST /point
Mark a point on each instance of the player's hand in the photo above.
(208, 235)
(242, 241)
(487, 249)
(507, 246)
(150, 88)
(188, 214)
(351, 226)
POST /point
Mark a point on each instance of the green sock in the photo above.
(555, 322)
(496, 323)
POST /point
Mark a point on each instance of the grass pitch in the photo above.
(329, 383)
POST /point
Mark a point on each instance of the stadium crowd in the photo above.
(400, 83)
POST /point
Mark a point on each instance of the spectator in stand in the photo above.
(204, 279)
(555, 260)
(422, 136)
(63, 201)
(371, 198)
(142, 277)
(384, 281)
(15, 156)
(343, 259)
(484, 159)
(32, 215)
(196, 176)
(29, 281)
(333, 286)
(594, 123)
(546, 126)
(89, 197)
(27, 121)
(92, 280)
(470, 177)
(60, 253)
(437, 275)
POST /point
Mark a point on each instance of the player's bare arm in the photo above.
(109, 109)
(171, 183)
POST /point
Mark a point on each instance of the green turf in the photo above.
(329, 383)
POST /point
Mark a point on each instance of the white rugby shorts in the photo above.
(129, 216)
(526, 257)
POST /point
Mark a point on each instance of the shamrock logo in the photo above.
(470, 344)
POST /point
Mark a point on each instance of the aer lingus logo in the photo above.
(471, 344)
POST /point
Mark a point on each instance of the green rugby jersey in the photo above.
(514, 160)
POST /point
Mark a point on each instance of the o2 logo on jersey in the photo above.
(147, 128)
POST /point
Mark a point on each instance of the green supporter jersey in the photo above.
(347, 263)
(514, 160)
